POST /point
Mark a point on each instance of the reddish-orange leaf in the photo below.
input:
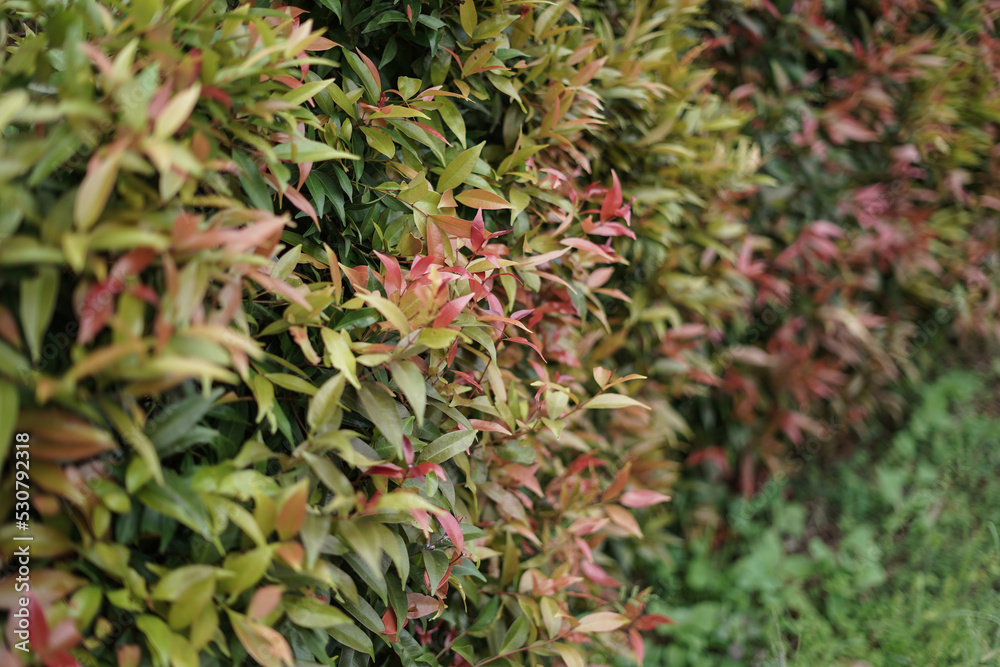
(393, 282)
(419, 605)
(292, 511)
(371, 68)
(452, 225)
(618, 485)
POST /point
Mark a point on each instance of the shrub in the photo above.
(366, 426)
(878, 243)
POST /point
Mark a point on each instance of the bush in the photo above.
(877, 246)
(360, 427)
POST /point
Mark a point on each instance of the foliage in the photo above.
(886, 558)
(876, 243)
(360, 427)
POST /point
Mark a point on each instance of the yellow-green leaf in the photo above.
(313, 613)
(96, 188)
(448, 445)
(380, 409)
(482, 199)
(460, 168)
(468, 17)
(134, 436)
(379, 140)
(613, 401)
(176, 112)
(411, 381)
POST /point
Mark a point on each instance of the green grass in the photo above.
(884, 559)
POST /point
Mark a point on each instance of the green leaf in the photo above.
(436, 564)
(372, 88)
(408, 86)
(174, 583)
(324, 404)
(453, 119)
(613, 401)
(468, 18)
(487, 615)
(176, 112)
(313, 613)
(448, 445)
(380, 409)
(177, 419)
(306, 150)
(177, 500)
(380, 140)
(298, 96)
(516, 635)
(366, 542)
(339, 355)
(292, 383)
(11, 104)
(353, 637)
(253, 183)
(95, 189)
(38, 302)
(411, 381)
(365, 613)
(460, 168)
(9, 404)
(138, 440)
(248, 569)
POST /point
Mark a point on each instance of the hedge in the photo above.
(312, 319)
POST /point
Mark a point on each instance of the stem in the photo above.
(450, 644)
(518, 650)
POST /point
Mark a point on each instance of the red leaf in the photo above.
(525, 341)
(393, 276)
(97, 308)
(389, 620)
(651, 621)
(131, 264)
(450, 311)
(217, 94)
(454, 530)
(407, 451)
(390, 470)
(613, 199)
(419, 605)
(371, 68)
(638, 645)
(38, 631)
(422, 469)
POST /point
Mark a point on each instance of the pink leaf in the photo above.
(642, 498)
